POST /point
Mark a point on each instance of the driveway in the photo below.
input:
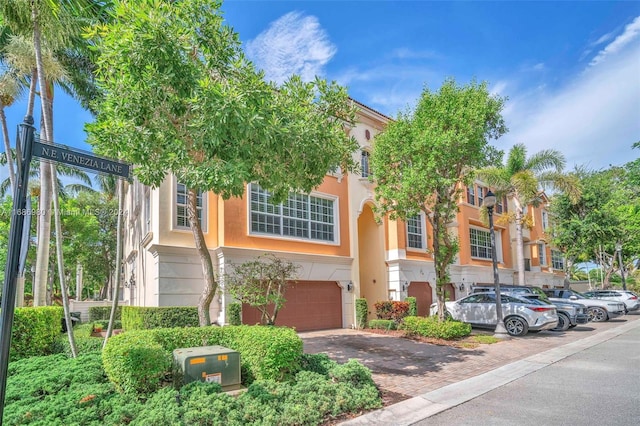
(413, 368)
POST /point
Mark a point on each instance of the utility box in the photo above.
(213, 364)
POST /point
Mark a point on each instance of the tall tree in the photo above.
(423, 159)
(181, 98)
(520, 179)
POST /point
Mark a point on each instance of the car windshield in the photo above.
(579, 295)
(537, 301)
(541, 293)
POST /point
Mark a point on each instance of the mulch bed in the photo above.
(464, 343)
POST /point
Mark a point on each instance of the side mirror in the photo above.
(573, 298)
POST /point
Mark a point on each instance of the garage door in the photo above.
(311, 305)
(421, 290)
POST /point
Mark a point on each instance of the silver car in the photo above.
(599, 310)
(520, 315)
(629, 298)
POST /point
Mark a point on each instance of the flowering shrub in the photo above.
(391, 310)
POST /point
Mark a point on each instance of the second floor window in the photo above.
(416, 232)
(557, 260)
(481, 193)
(300, 216)
(500, 205)
(364, 164)
(545, 220)
(182, 198)
(480, 241)
(542, 256)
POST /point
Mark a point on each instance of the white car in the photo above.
(599, 310)
(520, 315)
(629, 298)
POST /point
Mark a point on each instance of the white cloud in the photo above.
(631, 31)
(593, 121)
(407, 53)
(293, 44)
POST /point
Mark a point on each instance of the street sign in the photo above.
(83, 160)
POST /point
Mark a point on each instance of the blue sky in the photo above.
(571, 70)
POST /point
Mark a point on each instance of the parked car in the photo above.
(570, 314)
(599, 310)
(629, 298)
(520, 315)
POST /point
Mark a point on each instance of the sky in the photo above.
(570, 70)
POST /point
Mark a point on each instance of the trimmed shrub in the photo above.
(383, 324)
(145, 318)
(266, 353)
(362, 311)
(135, 363)
(413, 306)
(34, 331)
(432, 327)
(234, 313)
(102, 313)
(83, 344)
(317, 363)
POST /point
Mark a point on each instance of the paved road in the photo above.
(597, 386)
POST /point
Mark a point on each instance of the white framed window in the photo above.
(481, 194)
(480, 242)
(181, 214)
(471, 195)
(309, 217)
(500, 205)
(545, 220)
(542, 254)
(416, 232)
(557, 260)
(364, 164)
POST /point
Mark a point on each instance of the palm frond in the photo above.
(544, 160)
(525, 185)
(517, 159)
(67, 171)
(76, 188)
(568, 184)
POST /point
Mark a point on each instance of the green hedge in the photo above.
(35, 330)
(432, 327)
(138, 361)
(234, 313)
(362, 311)
(413, 306)
(381, 324)
(143, 318)
(103, 313)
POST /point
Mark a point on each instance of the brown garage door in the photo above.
(421, 290)
(311, 305)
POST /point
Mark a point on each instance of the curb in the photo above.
(424, 406)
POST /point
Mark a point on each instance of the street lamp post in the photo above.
(490, 202)
(619, 248)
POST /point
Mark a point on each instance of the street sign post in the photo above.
(49, 152)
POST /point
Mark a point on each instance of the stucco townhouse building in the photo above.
(344, 254)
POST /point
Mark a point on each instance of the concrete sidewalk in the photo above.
(430, 403)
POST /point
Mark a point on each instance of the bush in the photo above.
(83, 344)
(234, 313)
(383, 324)
(413, 306)
(266, 353)
(362, 312)
(135, 363)
(34, 331)
(391, 310)
(145, 318)
(432, 327)
(103, 313)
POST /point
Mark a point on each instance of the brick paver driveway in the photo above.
(413, 368)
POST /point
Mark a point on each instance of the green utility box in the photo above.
(215, 364)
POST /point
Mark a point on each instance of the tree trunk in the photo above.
(118, 271)
(44, 233)
(7, 147)
(567, 273)
(210, 284)
(519, 242)
(59, 255)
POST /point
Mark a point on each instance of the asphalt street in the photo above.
(597, 386)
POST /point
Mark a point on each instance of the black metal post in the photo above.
(500, 331)
(13, 252)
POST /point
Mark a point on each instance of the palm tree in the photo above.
(521, 180)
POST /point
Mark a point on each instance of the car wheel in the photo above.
(563, 323)
(598, 314)
(573, 325)
(447, 315)
(516, 326)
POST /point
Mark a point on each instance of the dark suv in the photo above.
(570, 314)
